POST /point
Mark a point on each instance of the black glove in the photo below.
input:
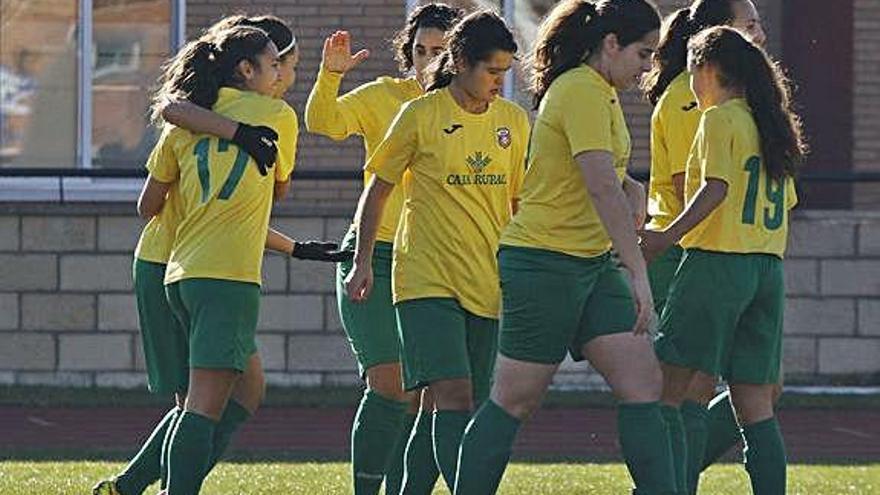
(259, 143)
(320, 251)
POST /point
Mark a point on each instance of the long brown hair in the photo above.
(670, 59)
(744, 66)
(574, 29)
(203, 66)
(472, 40)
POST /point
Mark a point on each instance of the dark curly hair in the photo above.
(433, 15)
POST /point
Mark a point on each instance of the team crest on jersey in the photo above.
(504, 138)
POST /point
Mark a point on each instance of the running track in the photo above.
(810, 434)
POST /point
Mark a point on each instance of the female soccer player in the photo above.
(562, 291)
(213, 273)
(458, 153)
(371, 327)
(739, 189)
(164, 342)
(711, 432)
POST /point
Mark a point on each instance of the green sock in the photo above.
(189, 453)
(394, 469)
(448, 430)
(645, 443)
(764, 455)
(144, 469)
(421, 471)
(723, 431)
(166, 450)
(485, 450)
(374, 433)
(694, 416)
(233, 417)
(678, 443)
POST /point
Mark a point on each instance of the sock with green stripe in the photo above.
(644, 440)
(374, 433)
(694, 416)
(764, 456)
(678, 443)
(723, 430)
(190, 452)
(485, 450)
(233, 417)
(421, 471)
(448, 430)
(144, 469)
(394, 469)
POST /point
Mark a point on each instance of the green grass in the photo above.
(75, 478)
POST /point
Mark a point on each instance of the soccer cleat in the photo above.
(106, 487)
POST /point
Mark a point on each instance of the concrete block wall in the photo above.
(68, 316)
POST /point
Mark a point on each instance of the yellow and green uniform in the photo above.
(367, 111)
(673, 126)
(459, 172)
(560, 286)
(164, 342)
(732, 329)
(213, 273)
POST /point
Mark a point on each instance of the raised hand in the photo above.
(337, 55)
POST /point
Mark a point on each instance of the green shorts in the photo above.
(220, 318)
(164, 340)
(371, 325)
(724, 316)
(443, 341)
(555, 303)
(660, 273)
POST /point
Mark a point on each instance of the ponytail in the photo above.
(745, 66)
(440, 71)
(203, 66)
(575, 29)
(670, 59)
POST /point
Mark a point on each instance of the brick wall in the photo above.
(866, 98)
(67, 314)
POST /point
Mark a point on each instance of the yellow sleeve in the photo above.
(791, 196)
(678, 136)
(287, 127)
(394, 154)
(715, 142)
(588, 130)
(329, 115)
(162, 163)
(520, 151)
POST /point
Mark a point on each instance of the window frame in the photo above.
(17, 189)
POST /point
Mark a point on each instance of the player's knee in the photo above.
(452, 394)
(386, 382)
(701, 388)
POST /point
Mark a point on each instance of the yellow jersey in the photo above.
(157, 237)
(673, 126)
(753, 218)
(459, 172)
(366, 111)
(580, 112)
(225, 201)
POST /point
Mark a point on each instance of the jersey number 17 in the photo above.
(202, 151)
